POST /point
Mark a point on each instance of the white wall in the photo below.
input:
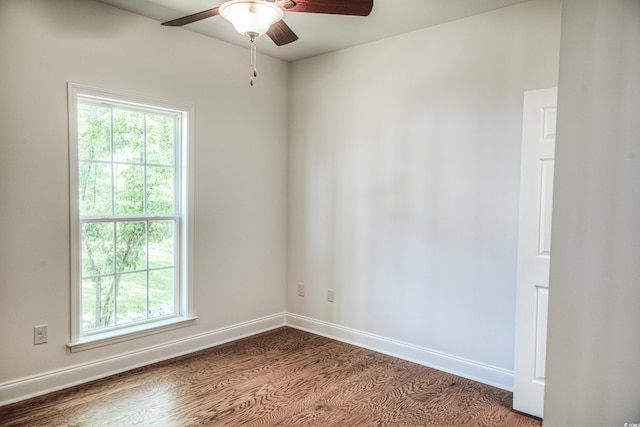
(240, 180)
(593, 353)
(404, 180)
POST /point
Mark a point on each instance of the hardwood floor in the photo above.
(283, 377)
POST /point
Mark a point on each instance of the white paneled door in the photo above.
(534, 243)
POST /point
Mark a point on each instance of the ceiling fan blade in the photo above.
(281, 34)
(192, 18)
(334, 7)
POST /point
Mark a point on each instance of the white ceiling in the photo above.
(319, 33)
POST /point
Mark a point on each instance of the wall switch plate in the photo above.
(330, 295)
(300, 289)
(39, 334)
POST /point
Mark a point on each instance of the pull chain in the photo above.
(254, 57)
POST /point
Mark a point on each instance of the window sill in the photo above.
(113, 337)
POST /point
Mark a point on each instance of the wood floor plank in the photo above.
(284, 377)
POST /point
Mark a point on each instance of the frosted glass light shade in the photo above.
(251, 16)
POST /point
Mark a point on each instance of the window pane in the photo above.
(132, 297)
(97, 303)
(128, 185)
(131, 243)
(128, 136)
(97, 249)
(94, 132)
(160, 131)
(161, 284)
(161, 244)
(129, 189)
(95, 189)
(159, 190)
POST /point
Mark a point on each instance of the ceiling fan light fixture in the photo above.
(251, 17)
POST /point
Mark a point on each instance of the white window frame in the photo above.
(184, 209)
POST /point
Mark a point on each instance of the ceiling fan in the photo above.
(254, 18)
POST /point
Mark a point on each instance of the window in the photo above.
(129, 174)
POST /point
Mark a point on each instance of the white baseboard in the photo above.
(25, 388)
(47, 382)
(470, 369)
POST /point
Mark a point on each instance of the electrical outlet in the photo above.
(330, 295)
(300, 289)
(39, 334)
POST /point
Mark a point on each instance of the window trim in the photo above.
(185, 316)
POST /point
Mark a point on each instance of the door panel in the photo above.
(542, 307)
(545, 205)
